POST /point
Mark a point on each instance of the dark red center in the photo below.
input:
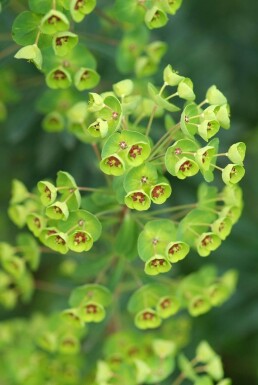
(135, 151)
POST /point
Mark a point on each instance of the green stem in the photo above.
(107, 212)
(151, 120)
(172, 96)
(203, 102)
(162, 89)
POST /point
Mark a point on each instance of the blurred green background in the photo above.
(212, 43)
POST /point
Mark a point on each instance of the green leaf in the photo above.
(123, 88)
(43, 6)
(90, 293)
(25, 28)
(126, 237)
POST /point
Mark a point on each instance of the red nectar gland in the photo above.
(135, 151)
(138, 197)
(59, 240)
(207, 240)
(158, 191)
(157, 262)
(59, 75)
(79, 4)
(61, 40)
(123, 145)
(148, 315)
(112, 161)
(185, 166)
(166, 303)
(91, 309)
(174, 249)
(79, 238)
(53, 19)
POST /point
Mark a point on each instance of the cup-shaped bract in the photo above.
(73, 317)
(48, 192)
(190, 119)
(19, 192)
(203, 157)
(68, 189)
(215, 96)
(147, 319)
(168, 306)
(206, 243)
(123, 88)
(18, 214)
(138, 200)
(156, 265)
(232, 173)
(223, 116)
(92, 312)
(215, 369)
(80, 8)
(138, 153)
(222, 227)
(80, 241)
(156, 50)
(56, 241)
(198, 305)
(141, 178)
(112, 165)
(53, 122)
(54, 21)
(204, 352)
(218, 293)
(160, 192)
(232, 212)
(236, 153)
(58, 211)
(58, 78)
(86, 78)
(185, 167)
(172, 6)
(14, 265)
(64, 42)
(95, 102)
(68, 344)
(185, 89)
(155, 18)
(179, 158)
(31, 53)
(171, 77)
(176, 251)
(208, 128)
(99, 128)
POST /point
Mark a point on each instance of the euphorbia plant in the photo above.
(130, 242)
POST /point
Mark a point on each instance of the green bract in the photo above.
(53, 22)
(171, 77)
(58, 210)
(236, 153)
(206, 243)
(214, 96)
(232, 173)
(156, 265)
(58, 78)
(31, 53)
(138, 200)
(64, 42)
(176, 251)
(147, 319)
(80, 8)
(86, 78)
(185, 89)
(167, 306)
(48, 192)
(155, 18)
(179, 158)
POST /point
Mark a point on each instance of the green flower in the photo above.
(198, 305)
(176, 251)
(167, 306)
(160, 193)
(58, 78)
(156, 265)
(58, 210)
(206, 243)
(147, 319)
(92, 312)
(112, 165)
(232, 173)
(48, 192)
(80, 241)
(138, 200)
(53, 22)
